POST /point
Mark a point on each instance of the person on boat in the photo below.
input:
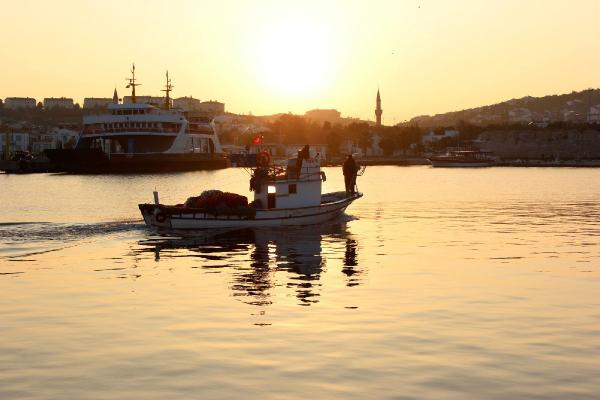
(350, 168)
(304, 153)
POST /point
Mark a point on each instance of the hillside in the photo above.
(583, 106)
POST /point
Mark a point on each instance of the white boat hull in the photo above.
(264, 217)
(461, 164)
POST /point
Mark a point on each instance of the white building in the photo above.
(97, 102)
(41, 142)
(64, 138)
(520, 115)
(212, 107)
(17, 141)
(433, 136)
(594, 115)
(13, 103)
(375, 150)
(58, 102)
(187, 103)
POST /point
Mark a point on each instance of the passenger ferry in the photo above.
(461, 157)
(139, 137)
(283, 196)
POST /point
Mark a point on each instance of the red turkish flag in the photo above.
(257, 140)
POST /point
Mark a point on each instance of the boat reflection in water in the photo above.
(261, 260)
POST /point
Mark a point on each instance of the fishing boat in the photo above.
(141, 137)
(283, 196)
(460, 157)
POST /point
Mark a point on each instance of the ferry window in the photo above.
(292, 188)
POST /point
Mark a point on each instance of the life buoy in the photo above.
(160, 217)
(263, 159)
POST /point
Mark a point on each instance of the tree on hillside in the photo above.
(333, 140)
(364, 141)
(293, 128)
(388, 144)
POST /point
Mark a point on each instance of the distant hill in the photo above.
(583, 106)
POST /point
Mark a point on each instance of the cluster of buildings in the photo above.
(210, 107)
(24, 136)
(35, 139)
(14, 103)
(582, 107)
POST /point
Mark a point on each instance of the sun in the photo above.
(295, 57)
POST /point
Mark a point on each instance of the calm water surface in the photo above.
(437, 284)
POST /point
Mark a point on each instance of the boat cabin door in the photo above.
(271, 200)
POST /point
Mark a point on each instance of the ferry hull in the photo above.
(157, 216)
(95, 161)
(460, 164)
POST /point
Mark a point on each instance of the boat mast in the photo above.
(167, 89)
(132, 83)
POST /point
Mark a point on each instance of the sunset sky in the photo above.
(267, 57)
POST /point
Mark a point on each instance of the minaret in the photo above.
(378, 110)
(115, 97)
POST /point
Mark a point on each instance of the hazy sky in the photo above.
(266, 57)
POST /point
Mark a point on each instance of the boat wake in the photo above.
(19, 239)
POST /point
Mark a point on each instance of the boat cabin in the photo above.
(296, 185)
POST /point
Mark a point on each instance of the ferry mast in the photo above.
(167, 90)
(132, 83)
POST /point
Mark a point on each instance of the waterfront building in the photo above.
(212, 108)
(187, 103)
(378, 110)
(97, 102)
(434, 136)
(41, 142)
(64, 138)
(58, 102)
(18, 141)
(13, 103)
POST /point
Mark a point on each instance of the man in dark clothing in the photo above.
(350, 174)
(304, 153)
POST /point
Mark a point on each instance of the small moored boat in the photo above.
(286, 195)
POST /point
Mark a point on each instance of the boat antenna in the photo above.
(167, 89)
(132, 83)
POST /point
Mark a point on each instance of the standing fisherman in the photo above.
(350, 169)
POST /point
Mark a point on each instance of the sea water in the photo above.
(438, 283)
